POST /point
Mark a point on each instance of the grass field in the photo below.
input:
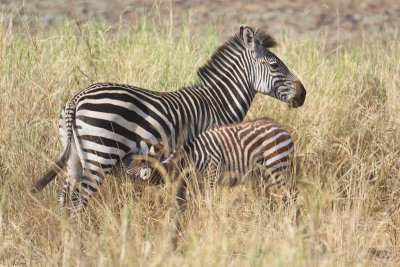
(346, 135)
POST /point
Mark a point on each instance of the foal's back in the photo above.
(252, 148)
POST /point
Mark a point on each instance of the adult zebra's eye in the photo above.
(273, 64)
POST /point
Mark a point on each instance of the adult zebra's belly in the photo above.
(107, 142)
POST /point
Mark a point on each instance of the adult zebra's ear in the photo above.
(250, 41)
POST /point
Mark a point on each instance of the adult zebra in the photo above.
(103, 123)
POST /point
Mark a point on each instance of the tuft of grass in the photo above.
(347, 147)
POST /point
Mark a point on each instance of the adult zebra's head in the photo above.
(270, 75)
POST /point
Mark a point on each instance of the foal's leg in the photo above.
(282, 186)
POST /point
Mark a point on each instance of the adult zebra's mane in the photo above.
(235, 45)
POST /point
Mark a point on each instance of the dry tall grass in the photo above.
(346, 135)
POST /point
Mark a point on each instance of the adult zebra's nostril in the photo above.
(300, 94)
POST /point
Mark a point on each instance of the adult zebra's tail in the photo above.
(52, 173)
(62, 161)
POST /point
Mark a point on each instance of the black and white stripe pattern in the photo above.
(233, 153)
(259, 152)
(105, 122)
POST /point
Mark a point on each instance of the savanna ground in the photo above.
(346, 134)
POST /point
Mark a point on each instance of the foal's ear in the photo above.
(250, 41)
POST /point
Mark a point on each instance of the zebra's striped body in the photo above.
(258, 152)
(103, 123)
(233, 153)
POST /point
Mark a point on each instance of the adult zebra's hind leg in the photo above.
(70, 191)
(83, 182)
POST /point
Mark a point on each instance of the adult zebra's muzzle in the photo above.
(300, 97)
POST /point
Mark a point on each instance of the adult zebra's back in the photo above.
(103, 123)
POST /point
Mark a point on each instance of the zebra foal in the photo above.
(259, 151)
(105, 122)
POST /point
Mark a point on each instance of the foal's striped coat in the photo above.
(259, 151)
(232, 154)
(256, 151)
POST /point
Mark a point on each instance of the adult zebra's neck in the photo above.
(226, 80)
(221, 96)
